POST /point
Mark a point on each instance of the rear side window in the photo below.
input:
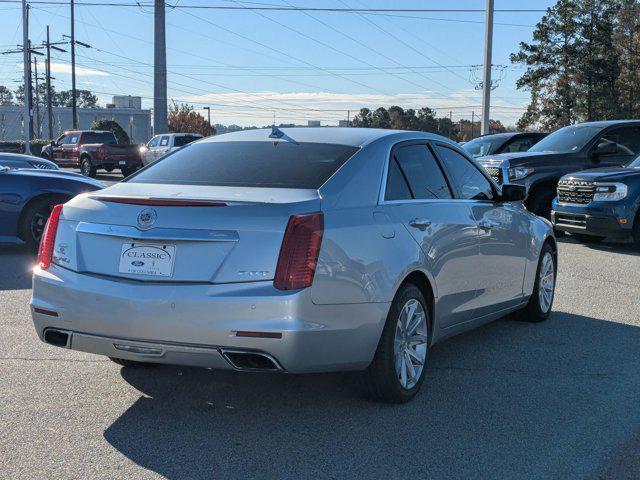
(99, 137)
(182, 140)
(416, 166)
(471, 184)
(249, 164)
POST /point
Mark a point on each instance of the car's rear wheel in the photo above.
(87, 168)
(539, 307)
(34, 218)
(132, 363)
(583, 238)
(399, 365)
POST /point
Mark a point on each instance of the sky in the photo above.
(253, 66)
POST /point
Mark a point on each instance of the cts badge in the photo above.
(146, 218)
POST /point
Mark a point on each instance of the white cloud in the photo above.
(80, 71)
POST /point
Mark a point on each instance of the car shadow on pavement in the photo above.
(509, 400)
(17, 266)
(623, 247)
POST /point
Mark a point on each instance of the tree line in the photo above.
(424, 120)
(582, 64)
(84, 98)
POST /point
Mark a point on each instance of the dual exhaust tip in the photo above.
(239, 359)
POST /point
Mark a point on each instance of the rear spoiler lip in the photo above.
(159, 202)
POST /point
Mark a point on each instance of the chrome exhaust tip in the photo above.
(57, 337)
(249, 361)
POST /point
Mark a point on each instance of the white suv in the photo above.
(160, 145)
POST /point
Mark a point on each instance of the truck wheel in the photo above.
(581, 237)
(399, 365)
(108, 169)
(540, 203)
(636, 231)
(87, 168)
(126, 171)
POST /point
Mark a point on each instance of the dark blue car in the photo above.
(598, 203)
(19, 160)
(27, 197)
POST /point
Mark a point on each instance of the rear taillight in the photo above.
(48, 239)
(299, 252)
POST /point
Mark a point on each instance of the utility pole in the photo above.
(160, 71)
(473, 120)
(48, 75)
(25, 63)
(208, 109)
(37, 103)
(49, 45)
(450, 123)
(486, 78)
(74, 107)
(348, 118)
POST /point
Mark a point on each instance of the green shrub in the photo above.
(112, 126)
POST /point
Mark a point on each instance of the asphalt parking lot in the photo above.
(511, 400)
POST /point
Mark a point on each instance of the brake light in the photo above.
(48, 239)
(299, 252)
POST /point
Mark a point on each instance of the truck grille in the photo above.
(575, 191)
(496, 174)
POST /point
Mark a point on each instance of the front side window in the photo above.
(164, 141)
(627, 140)
(72, 139)
(62, 140)
(153, 142)
(519, 145)
(470, 182)
(249, 164)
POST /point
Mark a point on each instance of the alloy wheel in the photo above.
(546, 282)
(410, 343)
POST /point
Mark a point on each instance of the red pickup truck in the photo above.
(93, 149)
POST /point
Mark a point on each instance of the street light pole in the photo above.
(208, 109)
(486, 78)
(160, 71)
(48, 75)
(74, 107)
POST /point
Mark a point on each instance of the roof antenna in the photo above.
(276, 132)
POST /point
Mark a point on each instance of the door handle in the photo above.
(484, 225)
(420, 223)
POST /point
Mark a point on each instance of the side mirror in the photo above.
(513, 193)
(605, 148)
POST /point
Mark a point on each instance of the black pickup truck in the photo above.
(569, 149)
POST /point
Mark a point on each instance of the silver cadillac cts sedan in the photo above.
(294, 250)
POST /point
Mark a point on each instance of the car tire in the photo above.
(86, 167)
(387, 379)
(583, 238)
(539, 306)
(33, 219)
(132, 363)
(540, 203)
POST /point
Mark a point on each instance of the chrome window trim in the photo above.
(167, 234)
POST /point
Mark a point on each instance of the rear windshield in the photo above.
(249, 164)
(183, 140)
(99, 137)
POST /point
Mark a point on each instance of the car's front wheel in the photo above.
(399, 365)
(539, 306)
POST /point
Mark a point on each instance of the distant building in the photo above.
(343, 123)
(313, 123)
(134, 120)
(126, 101)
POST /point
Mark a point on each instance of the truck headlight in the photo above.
(518, 173)
(610, 192)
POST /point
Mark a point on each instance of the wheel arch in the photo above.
(422, 282)
(63, 197)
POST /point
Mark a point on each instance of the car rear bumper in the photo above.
(602, 221)
(197, 324)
